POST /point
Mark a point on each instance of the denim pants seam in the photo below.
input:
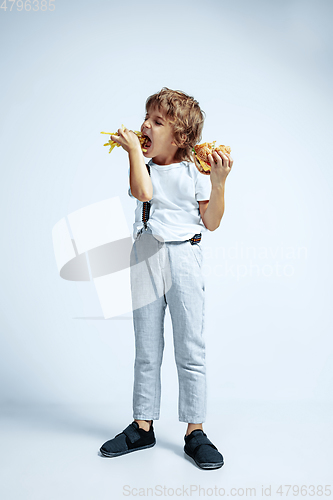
(158, 378)
(143, 416)
(191, 420)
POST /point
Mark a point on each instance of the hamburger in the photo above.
(201, 152)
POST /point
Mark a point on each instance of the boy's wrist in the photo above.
(135, 148)
(219, 186)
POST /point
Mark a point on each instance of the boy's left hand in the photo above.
(221, 164)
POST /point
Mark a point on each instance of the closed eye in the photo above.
(157, 122)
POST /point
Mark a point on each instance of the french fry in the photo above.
(114, 144)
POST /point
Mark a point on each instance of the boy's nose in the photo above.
(145, 126)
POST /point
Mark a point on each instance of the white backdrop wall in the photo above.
(261, 72)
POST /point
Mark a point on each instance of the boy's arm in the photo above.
(213, 211)
(140, 182)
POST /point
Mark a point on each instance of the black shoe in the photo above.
(202, 450)
(131, 439)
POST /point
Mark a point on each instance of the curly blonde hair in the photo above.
(185, 116)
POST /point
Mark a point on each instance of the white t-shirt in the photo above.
(174, 209)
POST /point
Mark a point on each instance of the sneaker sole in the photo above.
(118, 453)
(215, 465)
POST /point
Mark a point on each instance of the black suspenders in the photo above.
(145, 216)
(146, 206)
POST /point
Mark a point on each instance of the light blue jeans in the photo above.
(186, 300)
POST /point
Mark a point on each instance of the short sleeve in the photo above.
(203, 186)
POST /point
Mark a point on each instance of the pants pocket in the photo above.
(197, 251)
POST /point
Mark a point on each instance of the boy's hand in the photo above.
(221, 164)
(127, 139)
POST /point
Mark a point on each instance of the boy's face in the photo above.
(161, 147)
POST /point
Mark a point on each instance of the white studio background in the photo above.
(261, 72)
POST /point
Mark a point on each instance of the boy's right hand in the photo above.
(127, 139)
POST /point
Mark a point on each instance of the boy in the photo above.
(183, 203)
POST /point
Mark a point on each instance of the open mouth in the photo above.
(147, 142)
